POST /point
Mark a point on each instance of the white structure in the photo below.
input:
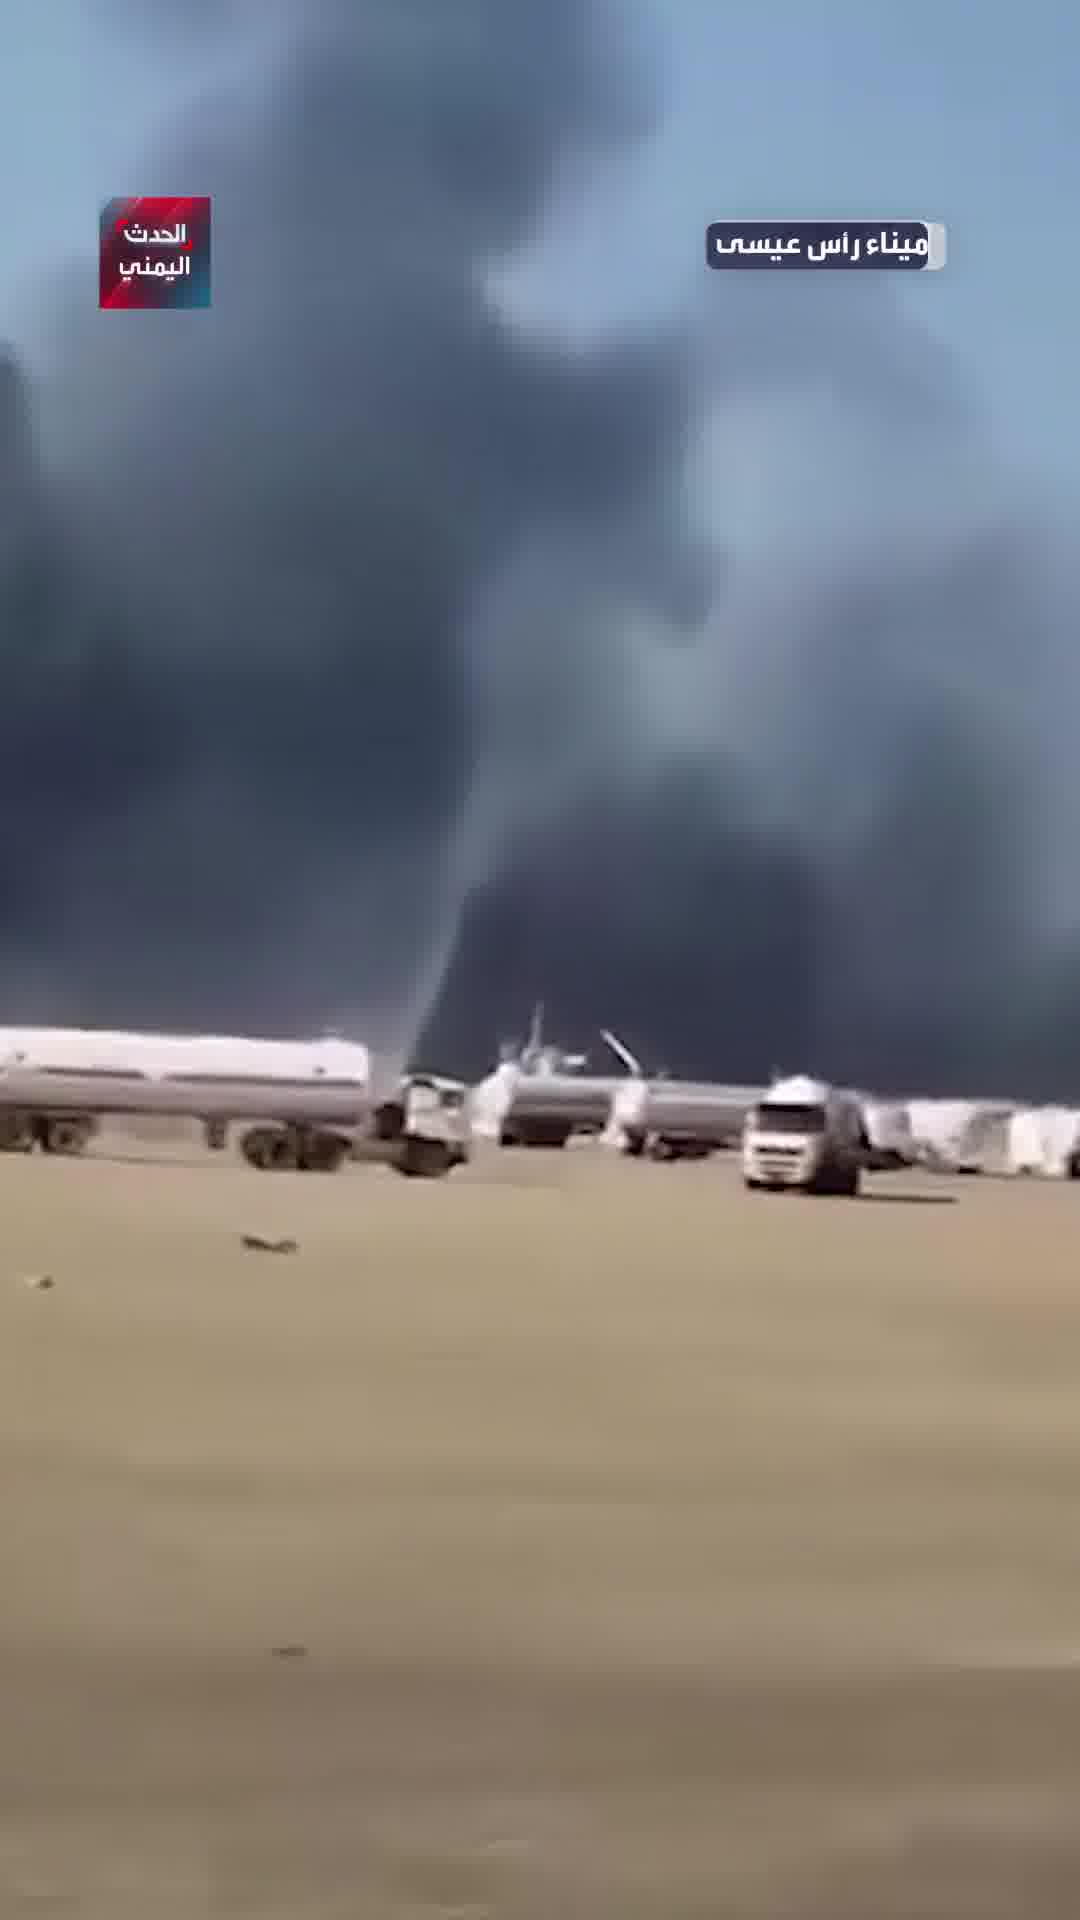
(1045, 1140)
(961, 1136)
(890, 1134)
(491, 1099)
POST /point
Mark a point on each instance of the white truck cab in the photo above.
(806, 1136)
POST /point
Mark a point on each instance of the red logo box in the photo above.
(155, 252)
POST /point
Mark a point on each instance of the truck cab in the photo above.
(805, 1136)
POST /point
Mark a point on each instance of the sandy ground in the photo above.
(646, 1548)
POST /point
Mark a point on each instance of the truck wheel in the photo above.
(423, 1159)
(842, 1183)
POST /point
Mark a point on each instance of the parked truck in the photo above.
(805, 1136)
(307, 1106)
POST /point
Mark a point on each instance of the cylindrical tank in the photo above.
(693, 1114)
(547, 1108)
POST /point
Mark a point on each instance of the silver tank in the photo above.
(682, 1115)
(580, 1099)
(347, 1104)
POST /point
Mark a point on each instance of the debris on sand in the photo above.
(255, 1243)
(39, 1282)
(292, 1650)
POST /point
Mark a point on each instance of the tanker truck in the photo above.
(313, 1103)
(805, 1136)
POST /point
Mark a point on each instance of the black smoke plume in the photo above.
(240, 692)
(853, 867)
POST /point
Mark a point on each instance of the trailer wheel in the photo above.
(270, 1149)
(16, 1133)
(541, 1134)
(321, 1153)
(67, 1137)
(690, 1149)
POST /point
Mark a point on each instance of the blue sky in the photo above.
(962, 112)
(957, 110)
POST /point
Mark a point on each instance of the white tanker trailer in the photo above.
(316, 1102)
(549, 1108)
(679, 1119)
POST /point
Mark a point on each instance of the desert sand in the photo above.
(569, 1538)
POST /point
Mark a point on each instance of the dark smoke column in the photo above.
(280, 515)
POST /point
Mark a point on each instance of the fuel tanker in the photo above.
(313, 1102)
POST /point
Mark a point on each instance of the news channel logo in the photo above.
(154, 252)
